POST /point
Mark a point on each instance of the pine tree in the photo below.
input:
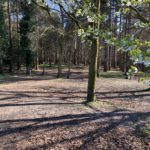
(3, 41)
(26, 23)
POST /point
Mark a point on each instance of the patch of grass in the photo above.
(112, 74)
(146, 130)
(79, 107)
(146, 90)
(52, 66)
(99, 104)
(4, 77)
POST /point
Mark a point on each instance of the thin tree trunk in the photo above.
(115, 58)
(56, 56)
(9, 35)
(106, 58)
(60, 58)
(43, 72)
(49, 60)
(1, 66)
(75, 50)
(69, 63)
(98, 40)
(28, 63)
(116, 18)
(37, 61)
(78, 52)
(17, 27)
(99, 58)
(109, 57)
(61, 45)
(125, 63)
(37, 45)
(109, 47)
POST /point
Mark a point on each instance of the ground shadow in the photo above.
(106, 122)
(37, 76)
(66, 96)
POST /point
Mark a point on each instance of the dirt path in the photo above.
(48, 113)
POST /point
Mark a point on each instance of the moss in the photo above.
(99, 104)
(112, 74)
(4, 77)
(146, 130)
(53, 66)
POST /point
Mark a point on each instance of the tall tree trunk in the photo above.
(56, 56)
(115, 28)
(61, 45)
(49, 59)
(37, 45)
(109, 58)
(44, 59)
(106, 58)
(126, 53)
(92, 71)
(60, 60)
(125, 63)
(93, 61)
(17, 27)
(43, 72)
(110, 27)
(1, 66)
(75, 50)
(28, 62)
(99, 58)
(115, 58)
(78, 52)
(37, 61)
(98, 40)
(69, 62)
(9, 35)
(2, 36)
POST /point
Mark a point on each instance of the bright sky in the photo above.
(52, 5)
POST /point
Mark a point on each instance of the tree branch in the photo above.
(71, 17)
(139, 16)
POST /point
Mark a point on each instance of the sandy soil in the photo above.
(45, 113)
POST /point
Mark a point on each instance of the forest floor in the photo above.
(44, 113)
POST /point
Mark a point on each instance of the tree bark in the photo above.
(9, 35)
(93, 60)
(106, 58)
(92, 72)
(17, 27)
(115, 58)
(37, 61)
(69, 63)
(60, 60)
(99, 58)
(28, 62)
(1, 66)
(109, 57)
(61, 45)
